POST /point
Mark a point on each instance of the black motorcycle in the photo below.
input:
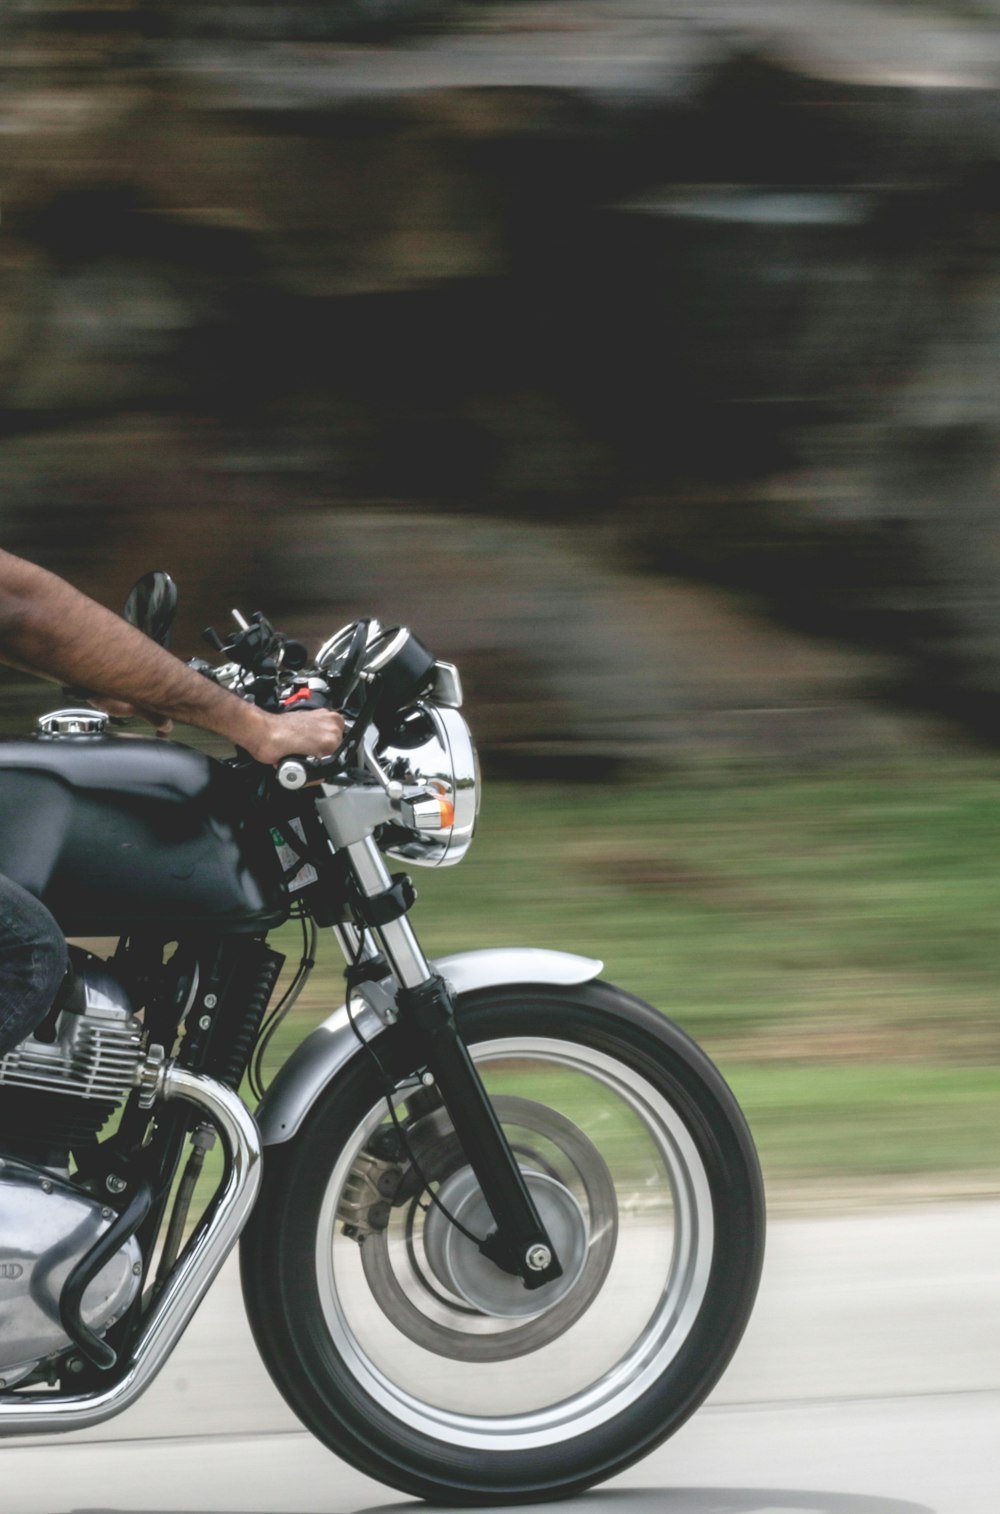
(501, 1223)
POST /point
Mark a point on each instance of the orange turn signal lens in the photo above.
(445, 806)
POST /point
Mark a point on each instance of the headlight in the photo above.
(433, 746)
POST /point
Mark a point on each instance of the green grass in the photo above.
(834, 943)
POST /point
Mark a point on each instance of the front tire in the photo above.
(415, 1359)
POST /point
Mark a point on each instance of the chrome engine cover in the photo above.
(46, 1224)
(46, 1227)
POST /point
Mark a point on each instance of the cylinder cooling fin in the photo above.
(60, 1089)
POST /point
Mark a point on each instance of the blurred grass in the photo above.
(831, 941)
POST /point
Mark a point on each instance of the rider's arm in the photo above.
(48, 627)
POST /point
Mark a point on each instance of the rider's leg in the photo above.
(33, 962)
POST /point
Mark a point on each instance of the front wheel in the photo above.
(417, 1360)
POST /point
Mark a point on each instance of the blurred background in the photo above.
(645, 358)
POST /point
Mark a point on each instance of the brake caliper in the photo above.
(371, 1187)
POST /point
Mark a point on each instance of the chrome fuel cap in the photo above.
(73, 723)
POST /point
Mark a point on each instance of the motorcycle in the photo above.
(500, 1223)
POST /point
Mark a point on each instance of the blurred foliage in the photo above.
(644, 357)
(714, 293)
(832, 942)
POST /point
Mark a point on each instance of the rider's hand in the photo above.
(303, 733)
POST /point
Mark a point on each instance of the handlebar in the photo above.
(292, 773)
(296, 772)
(330, 684)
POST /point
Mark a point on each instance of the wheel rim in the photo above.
(587, 1364)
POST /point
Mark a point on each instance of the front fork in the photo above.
(520, 1243)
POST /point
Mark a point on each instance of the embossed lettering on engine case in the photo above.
(46, 1227)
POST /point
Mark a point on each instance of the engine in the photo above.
(60, 1086)
(57, 1089)
(46, 1227)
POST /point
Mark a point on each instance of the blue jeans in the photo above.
(33, 963)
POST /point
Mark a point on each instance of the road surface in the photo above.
(868, 1383)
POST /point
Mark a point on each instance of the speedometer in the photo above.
(402, 667)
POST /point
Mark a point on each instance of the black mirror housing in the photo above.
(151, 605)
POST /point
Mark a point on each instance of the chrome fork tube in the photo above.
(27, 1414)
(356, 945)
(520, 1244)
(401, 947)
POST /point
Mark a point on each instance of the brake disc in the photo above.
(435, 1286)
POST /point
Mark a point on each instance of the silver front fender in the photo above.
(331, 1045)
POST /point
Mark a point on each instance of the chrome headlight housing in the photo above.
(432, 746)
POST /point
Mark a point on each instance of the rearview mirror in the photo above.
(152, 605)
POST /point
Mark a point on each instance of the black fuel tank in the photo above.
(118, 833)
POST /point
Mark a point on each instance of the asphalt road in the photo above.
(868, 1383)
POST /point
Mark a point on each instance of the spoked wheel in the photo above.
(419, 1361)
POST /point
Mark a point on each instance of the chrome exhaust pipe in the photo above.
(42, 1413)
